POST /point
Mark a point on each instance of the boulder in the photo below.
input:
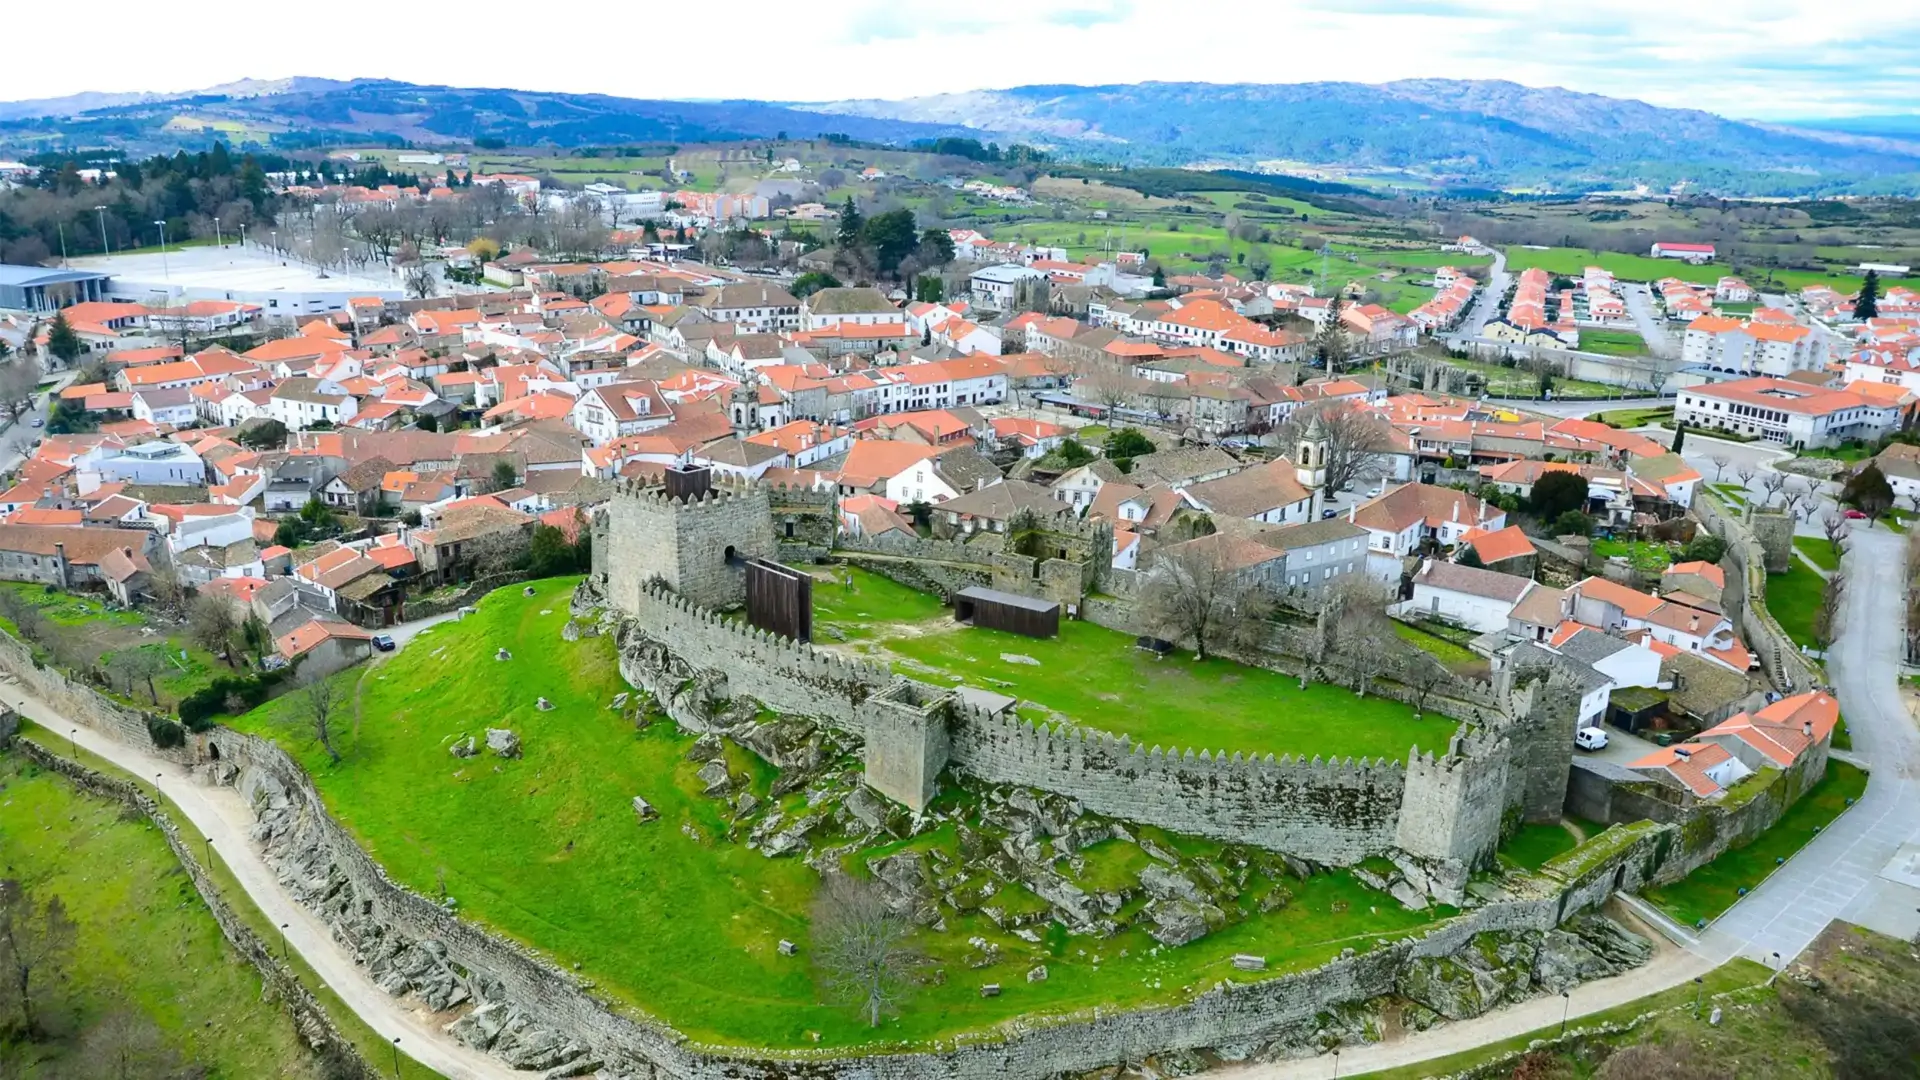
(715, 778)
(1177, 922)
(643, 810)
(503, 742)
(1038, 973)
(538, 1049)
(463, 747)
(479, 1028)
(543, 704)
(502, 654)
(1165, 883)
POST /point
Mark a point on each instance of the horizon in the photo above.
(1764, 60)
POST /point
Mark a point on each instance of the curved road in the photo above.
(224, 818)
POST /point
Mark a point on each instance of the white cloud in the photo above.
(1741, 57)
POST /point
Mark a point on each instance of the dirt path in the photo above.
(224, 819)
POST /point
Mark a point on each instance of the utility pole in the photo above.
(104, 246)
(164, 268)
(63, 243)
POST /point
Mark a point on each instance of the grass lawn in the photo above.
(1732, 494)
(1794, 600)
(1731, 976)
(670, 917)
(1447, 652)
(1822, 551)
(1634, 418)
(873, 601)
(1613, 342)
(1713, 888)
(371, 1045)
(1096, 678)
(145, 940)
(1514, 383)
(1850, 451)
(1640, 554)
(1533, 846)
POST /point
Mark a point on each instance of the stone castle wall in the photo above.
(1745, 600)
(1340, 811)
(647, 536)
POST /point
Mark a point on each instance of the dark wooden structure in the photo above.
(688, 482)
(779, 599)
(1016, 614)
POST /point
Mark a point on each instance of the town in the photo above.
(788, 605)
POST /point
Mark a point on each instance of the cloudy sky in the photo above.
(1759, 58)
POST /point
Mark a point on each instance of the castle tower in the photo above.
(907, 744)
(696, 540)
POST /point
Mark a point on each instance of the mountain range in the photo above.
(1435, 131)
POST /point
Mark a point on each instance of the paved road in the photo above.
(1652, 329)
(1838, 874)
(221, 815)
(1486, 303)
(18, 439)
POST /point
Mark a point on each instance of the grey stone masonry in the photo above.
(698, 549)
(906, 741)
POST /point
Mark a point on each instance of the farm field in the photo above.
(1613, 342)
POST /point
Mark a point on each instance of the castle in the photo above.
(671, 559)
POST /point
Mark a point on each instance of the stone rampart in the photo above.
(72, 698)
(1746, 595)
(1332, 810)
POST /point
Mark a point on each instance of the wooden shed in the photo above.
(996, 610)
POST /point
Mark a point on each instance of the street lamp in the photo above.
(1699, 988)
(1566, 996)
(156, 788)
(286, 951)
(209, 841)
(396, 1055)
(218, 241)
(1336, 1063)
(243, 235)
(163, 250)
(104, 246)
(73, 744)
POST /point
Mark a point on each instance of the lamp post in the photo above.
(1699, 988)
(104, 246)
(164, 268)
(209, 841)
(1566, 1008)
(396, 1055)
(243, 235)
(285, 950)
(1336, 1063)
(73, 744)
(218, 241)
(156, 788)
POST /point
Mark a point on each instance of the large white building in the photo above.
(1780, 411)
(1757, 348)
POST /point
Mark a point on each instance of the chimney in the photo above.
(1682, 753)
(1806, 728)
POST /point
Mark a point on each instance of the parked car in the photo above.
(1590, 738)
(37, 422)
(1329, 513)
(1855, 515)
(384, 642)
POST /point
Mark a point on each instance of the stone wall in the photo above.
(1332, 810)
(1745, 600)
(74, 699)
(310, 1019)
(707, 672)
(696, 548)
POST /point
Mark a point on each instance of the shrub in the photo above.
(1573, 523)
(227, 694)
(165, 734)
(1704, 547)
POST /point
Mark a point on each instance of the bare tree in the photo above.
(1106, 384)
(168, 591)
(1834, 524)
(1746, 472)
(211, 621)
(1797, 492)
(319, 701)
(1826, 617)
(1194, 591)
(133, 666)
(1771, 482)
(35, 942)
(1353, 443)
(421, 283)
(1356, 637)
(1423, 674)
(862, 948)
(1719, 461)
(1674, 1059)
(125, 1045)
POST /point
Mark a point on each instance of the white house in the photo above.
(301, 403)
(1785, 412)
(1477, 599)
(154, 463)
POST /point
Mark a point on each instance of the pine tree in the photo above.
(1867, 304)
(851, 224)
(62, 342)
(1679, 436)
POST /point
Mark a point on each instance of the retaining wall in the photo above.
(309, 1017)
(1780, 658)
